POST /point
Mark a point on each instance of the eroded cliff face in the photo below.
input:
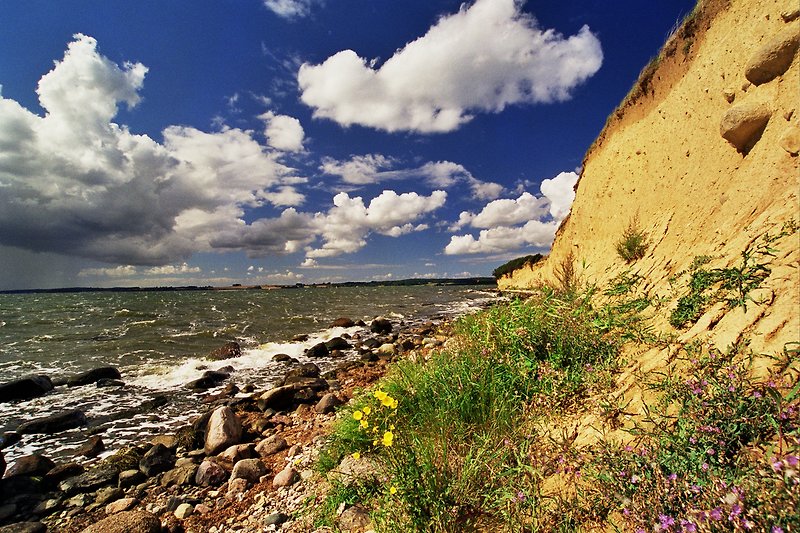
(663, 165)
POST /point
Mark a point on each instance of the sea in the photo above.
(160, 341)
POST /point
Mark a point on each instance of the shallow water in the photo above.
(159, 342)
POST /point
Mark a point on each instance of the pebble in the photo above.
(183, 511)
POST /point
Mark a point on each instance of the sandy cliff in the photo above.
(662, 163)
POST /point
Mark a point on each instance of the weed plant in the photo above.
(633, 244)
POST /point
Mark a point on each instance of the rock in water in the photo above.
(93, 375)
(343, 323)
(742, 125)
(224, 429)
(25, 388)
(92, 447)
(127, 522)
(30, 465)
(53, 423)
(158, 459)
(381, 326)
(337, 343)
(228, 351)
(773, 58)
(318, 350)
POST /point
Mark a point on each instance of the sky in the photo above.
(157, 143)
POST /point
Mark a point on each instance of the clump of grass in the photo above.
(633, 244)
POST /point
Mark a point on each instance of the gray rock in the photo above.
(284, 478)
(275, 519)
(93, 375)
(54, 423)
(92, 447)
(129, 478)
(237, 452)
(91, 480)
(318, 350)
(180, 475)
(237, 486)
(337, 343)
(184, 511)
(271, 446)
(210, 474)
(158, 459)
(354, 471)
(773, 57)
(742, 125)
(224, 430)
(25, 388)
(24, 527)
(123, 504)
(355, 518)
(281, 358)
(127, 522)
(108, 494)
(306, 370)
(249, 469)
(209, 379)
(328, 404)
(30, 465)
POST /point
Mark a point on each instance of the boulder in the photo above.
(129, 478)
(127, 522)
(249, 469)
(180, 476)
(90, 480)
(271, 446)
(354, 519)
(92, 447)
(61, 472)
(107, 495)
(790, 140)
(237, 452)
(123, 504)
(158, 459)
(281, 358)
(306, 370)
(93, 375)
(227, 391)
(742, 125)
(184, 511)
(54, 423)
(25, 388)
(30, 465)
(210, 474)
(337, 343)
(227, 351)
(773, 58)
(24, 527)
(343, 322)
(328, 404)
(284, 478)
(9, 438)
(236, 486)
(387, 349)
(276, 519)
(209, 379)
(318, 350)
(224, 430)
(352, 471)
(381, 326)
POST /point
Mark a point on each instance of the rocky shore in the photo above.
(246, 464)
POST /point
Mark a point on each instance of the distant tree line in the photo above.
(514, 264)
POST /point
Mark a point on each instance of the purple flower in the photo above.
(635, 479)
(791, 460)
(736, 510)
(710, 451)
(715, 514)
(688, 526)
(520, 496)
(704, 467)
(672, 477)
(665, 521)
(776, 529)
(626, 511)
(756, 394)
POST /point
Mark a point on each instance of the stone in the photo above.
(127, 522)
(90, 480)
(180, 476)
(236, 486)
(93, 375)
(108, 494)
(209, 379)
(271, 446)
(284, 478)
(170, 441)
(210, 474)
(249, 469)
(9, 438)
(24, 527)
(25, 388)
(353, 471)
(92, 447)
(789, 16)
(30, 465)
(381, 326)
(790, 140)
(184, 511)
(306, 370)
(224, 430)
(327, 404)
(63, 471)
(281, 358)
(729, 95)
(275, 519)
(227, 351)
(354, 519)
(129, 478)
(237, 452)
(123, 504)
(54, 423)
(106, 382)
(318, 350)
(773, 58)
(337, 343)
(343, 322)
(158, 459)
(387, 349)
(742, 125)
(7, 511)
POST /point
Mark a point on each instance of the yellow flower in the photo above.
(387, 400)
(375, 442)
(392, 490)
(364, 424)
(379, 394)
(393, 405)
(358, 415)
(356, 456)
(391, 427)
(367, 410)
(388, 437)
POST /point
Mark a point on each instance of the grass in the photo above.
(632, 246)
(483, 435)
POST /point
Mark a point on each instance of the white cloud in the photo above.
(533, 233)
(283, 132)
(510, 212)
(169, 270)
(561, 193)
(377, 168)
(121, 271)
(484, 58)
(77, 183)
(290, 9)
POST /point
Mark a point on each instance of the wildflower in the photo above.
(756, 394)
(356, 456)
(776, 464)
(710, 451)
(776, 529)
(520, 495)
(358, 415)
(705, 467)
(688, 526)
(388, 438)
(672, 477)
(715, 514)
(626, 511)
(792, 460)
(367, 410)
(736, 510)
(392, 490)
(364, 424)
(635, 479)
(665, 521)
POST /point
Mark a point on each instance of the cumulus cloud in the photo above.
(377, 168)
(77, 183)
(513, 224)
(121, 271)
(482, 59)
(289, 9)
(170, 270)
(283, 132)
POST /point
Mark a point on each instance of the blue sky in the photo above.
(285, 141)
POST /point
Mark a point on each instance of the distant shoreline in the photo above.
(238, 287)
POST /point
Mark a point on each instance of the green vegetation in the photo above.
(633, 244)
(514, 264)
(484, 435)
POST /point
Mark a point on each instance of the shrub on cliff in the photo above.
(515, 264)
